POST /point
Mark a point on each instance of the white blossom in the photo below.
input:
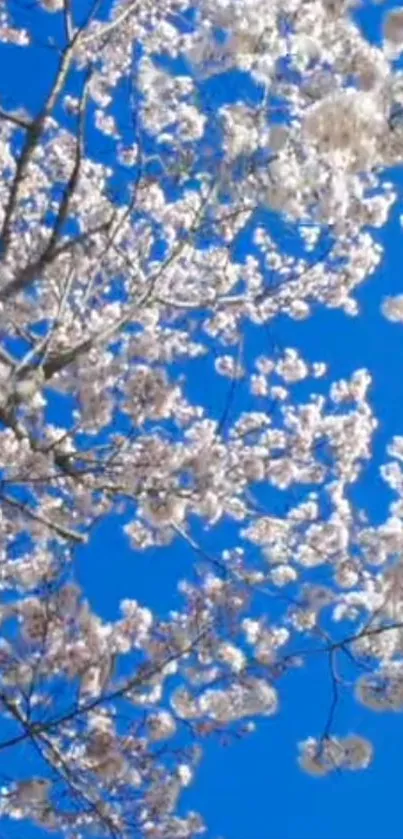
(393, 26)
(392, 308)
(319, 757)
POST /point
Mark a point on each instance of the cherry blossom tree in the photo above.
(123, 200)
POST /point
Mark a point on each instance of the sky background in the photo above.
(254, 788)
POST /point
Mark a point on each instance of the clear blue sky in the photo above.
(254, 789)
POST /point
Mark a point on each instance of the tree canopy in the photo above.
(194, 172)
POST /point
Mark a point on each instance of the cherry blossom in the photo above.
(124, 200)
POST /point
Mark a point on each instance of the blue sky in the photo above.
(254, 789)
